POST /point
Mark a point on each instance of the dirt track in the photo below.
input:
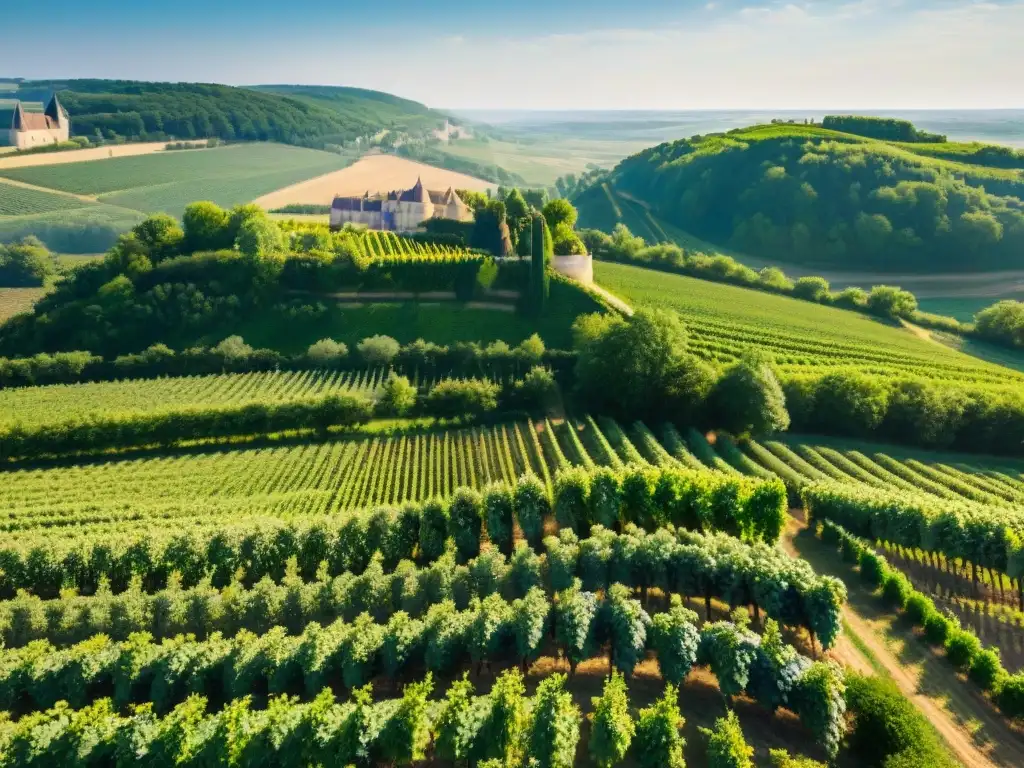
(975, 732)
(78, 155)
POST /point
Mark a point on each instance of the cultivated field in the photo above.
(16, 300)
(724, 319)
(82, 155)
(25, 201)
(373, 173)
(167, 181)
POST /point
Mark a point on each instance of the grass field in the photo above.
(166, 181)
(441, 323)
(724, 319)
(540, 161)
(16, 300)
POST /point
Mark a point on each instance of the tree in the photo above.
(397, 396)
(626, 624)
(260, 238)
(560, 212)
(658, 743)
(529, 620)
(575, 612)
(891, 302)
(675, 639)
(531, 506)
(465, 520)
(811, 288)
(161, 236)
(748, 399)
(26, 262)
(490, 229)
(501, 735)
(727, 748)
(499, 510)
(378, 350)
(554, 727)
(613, 727)
(627, 367)
(541, 252)
(205, 225)
(326, 352)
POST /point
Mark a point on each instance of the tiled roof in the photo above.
(31, 121)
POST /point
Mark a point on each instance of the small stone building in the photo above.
(37, 129)
(399, 211)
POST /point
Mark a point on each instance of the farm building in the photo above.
(37, 129)
(399, 211)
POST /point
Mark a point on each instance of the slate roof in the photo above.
(415, 195)
(38, 121)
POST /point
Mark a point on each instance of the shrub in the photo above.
(811, 288)
(378, 350)
(919, 609)
(575, 612)
(938, 628)
(397, 396)
(748, 399)
(886, 724)
(727, 748)
(498, 510)
(434, 526)
(605, 500)
(962, 646)
(554, 727)
(465, 521)
(462, 398)
(896, 589)
(326, 352)
(987, 669)
(572, 488)
(658, 742)
(531, 506)
(1010, 696)
(612, 729)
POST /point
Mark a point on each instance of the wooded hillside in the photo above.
(805, 194)
(290, 114)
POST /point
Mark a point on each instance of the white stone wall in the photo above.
(39, 138)
(579, 267)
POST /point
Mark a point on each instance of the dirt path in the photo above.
(875, 641)
(612, 299)
(79, 155)
(37, 188)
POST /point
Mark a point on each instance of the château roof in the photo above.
(38, 121)
(417, 194)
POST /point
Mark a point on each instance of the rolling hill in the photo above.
(314, 117)
(805, 195)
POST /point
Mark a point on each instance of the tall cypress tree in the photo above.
(541, 252)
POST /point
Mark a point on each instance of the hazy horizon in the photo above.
(664, 55)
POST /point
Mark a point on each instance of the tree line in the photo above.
(812, 200)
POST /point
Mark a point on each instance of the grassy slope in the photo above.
(439, 323)
(711, 309)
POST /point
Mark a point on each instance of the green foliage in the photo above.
(465, 521)
(25, 262)
(575, 614)
(553, 730)
(531, 506)
(612, 728)
(501, 733)
(397, 396)
(455, 398)
(886, 725)
(726, 747)
(675, 639)
(572, 489)
(887, 128)
(626, 624)
(499, 508)
(784, 192)
(658, 743)
(962, 646)
(748, 399)
(378, 350)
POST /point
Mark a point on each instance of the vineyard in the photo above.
(35, 406)
(802, 337)
(22, 201)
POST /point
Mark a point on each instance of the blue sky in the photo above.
(549, 54)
